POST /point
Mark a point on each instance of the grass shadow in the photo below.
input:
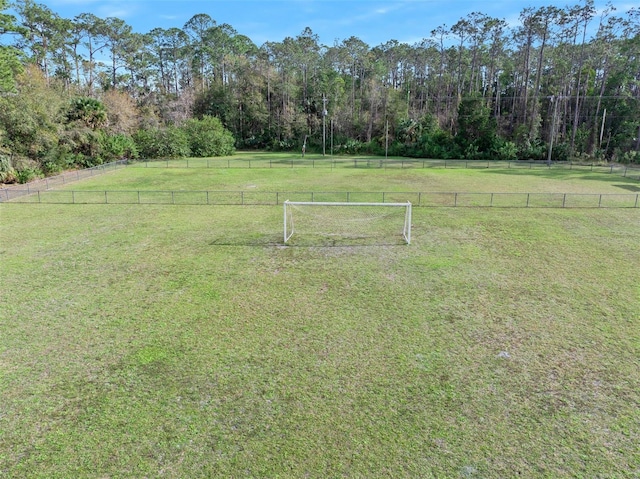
(246, 240)
(629, 187)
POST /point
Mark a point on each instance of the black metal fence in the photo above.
(11, 192)
(426, 199)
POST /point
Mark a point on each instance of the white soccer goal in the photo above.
(347, 223)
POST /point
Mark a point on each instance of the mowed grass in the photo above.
(346, 178)
(185, 341)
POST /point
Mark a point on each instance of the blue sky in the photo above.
(374, 22)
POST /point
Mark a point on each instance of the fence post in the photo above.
(419, 198)
(277, 194)
(637, 196)
(242, 197)
(491, 202)
(564, 200)
(40, 201)
(528, 195)
(600, 201)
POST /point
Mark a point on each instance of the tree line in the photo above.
(564, 83)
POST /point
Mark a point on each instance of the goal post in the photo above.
(347, 222)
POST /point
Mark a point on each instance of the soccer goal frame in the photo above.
(289, 219)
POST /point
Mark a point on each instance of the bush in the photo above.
(7, 173)
(508, 151)
(281, 145)
(117, 147)
(26, 175)
(630, 157)
(171, 142)
(80, 145)
(207, 137)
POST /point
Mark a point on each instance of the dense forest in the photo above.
(564, 84)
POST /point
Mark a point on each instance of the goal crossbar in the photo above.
(289, 223)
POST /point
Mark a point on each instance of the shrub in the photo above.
(207, 137)
(630, 157)
(26, 175)
(508, 151)
(119, 146)
(80, 145)
(7, 173)
(171, 142)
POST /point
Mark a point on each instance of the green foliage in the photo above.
(117, 147)
(533, 150)
(88, 112)
(508, 151)
(84, 144)
(281, 145)
(31, 119)
(477, 130)
(169, 142)
(630, 157)
(10, 57)
(216, 102)
(207, 137)
(25, 175)
(438, 144)
(350, 147)
(7, 172)
(10, 66)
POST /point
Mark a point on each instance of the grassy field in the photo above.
(186, 341)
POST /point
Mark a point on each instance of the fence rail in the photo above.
(426, 199)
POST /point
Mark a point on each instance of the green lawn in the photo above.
(343, 178)
(185, 341)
